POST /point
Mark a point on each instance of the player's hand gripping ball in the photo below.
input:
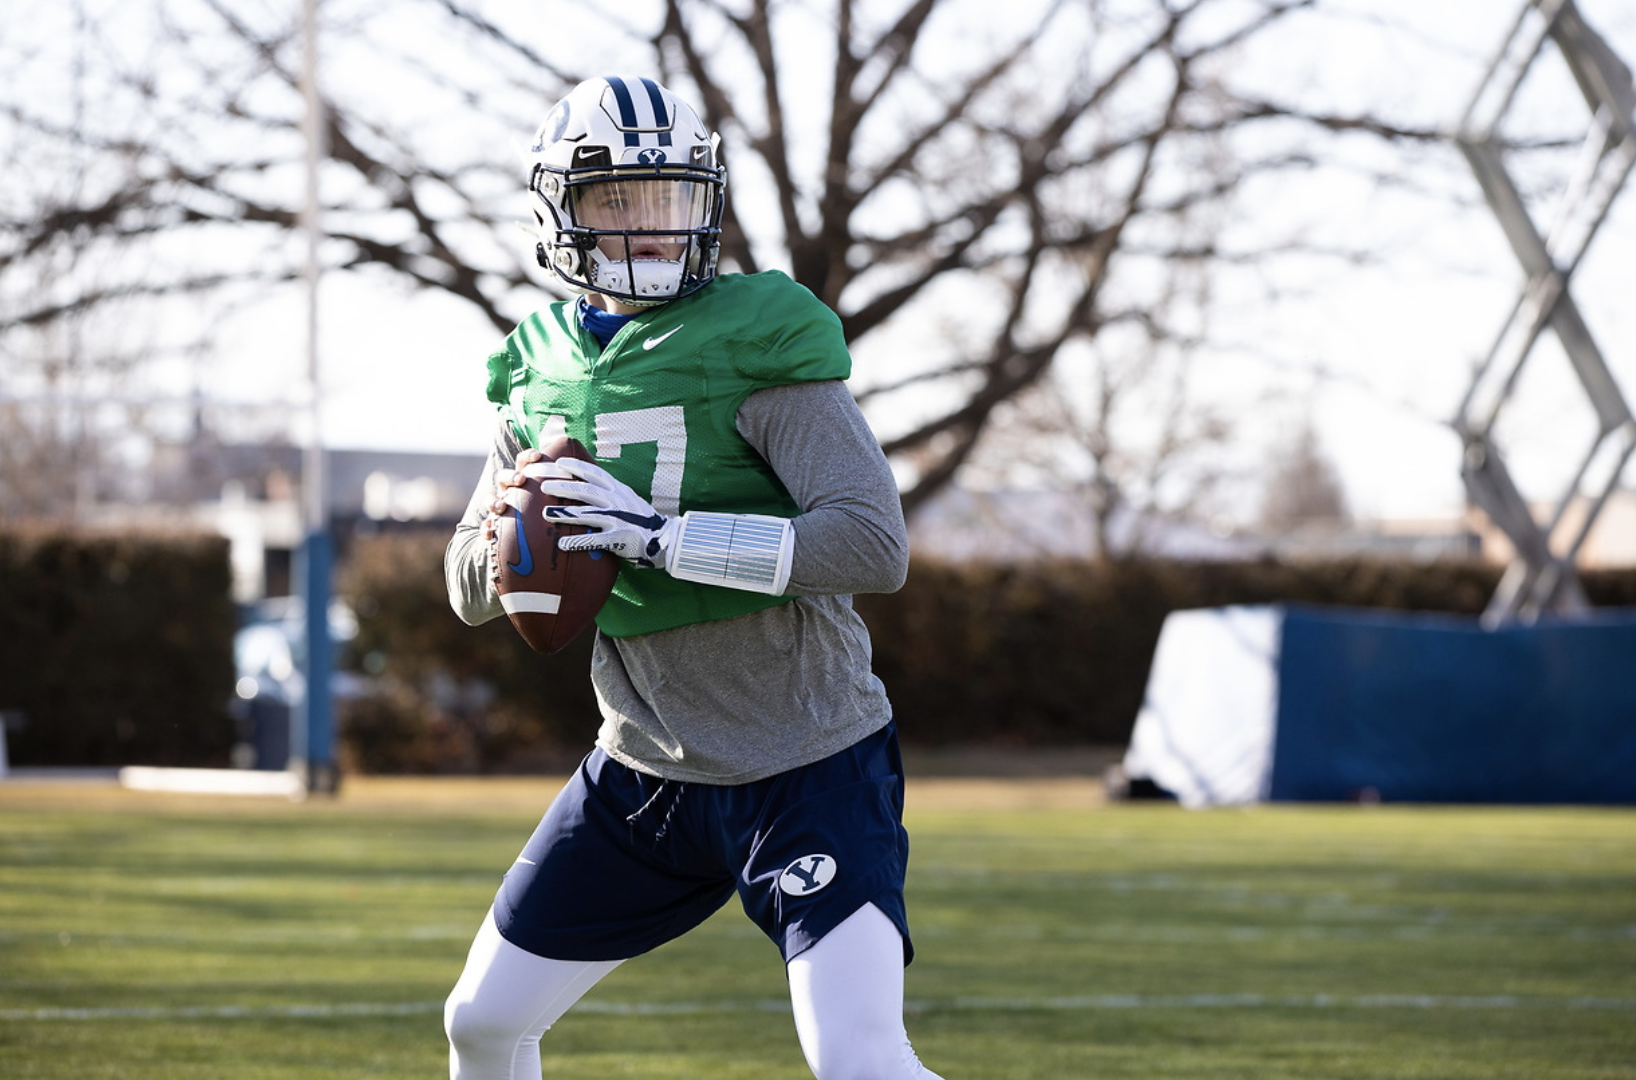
(550, 595)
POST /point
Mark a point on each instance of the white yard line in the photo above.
(1087, 1003)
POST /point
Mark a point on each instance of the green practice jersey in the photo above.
(658, 406)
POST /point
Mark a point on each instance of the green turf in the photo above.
(174, 938)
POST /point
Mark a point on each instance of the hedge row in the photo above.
(118, 650)
(1033, 654)
(448, 697)
(115, 649)
(1058, 653)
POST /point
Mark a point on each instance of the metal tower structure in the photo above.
(1542, 577)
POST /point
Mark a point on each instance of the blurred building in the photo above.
(1611, 542)
(960, 524)
(250, 493)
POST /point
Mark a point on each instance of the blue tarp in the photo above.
(1248, 704)
(1429, 708)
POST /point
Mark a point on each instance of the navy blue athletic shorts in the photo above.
(623, 861)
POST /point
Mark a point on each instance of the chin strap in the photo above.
(737, 551)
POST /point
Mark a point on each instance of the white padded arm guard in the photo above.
(738, 551)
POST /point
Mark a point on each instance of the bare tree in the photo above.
(997, 208)
(1303, 490)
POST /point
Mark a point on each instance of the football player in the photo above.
(745, 745)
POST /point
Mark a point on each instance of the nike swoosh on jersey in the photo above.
(525, 558)
(654, 342)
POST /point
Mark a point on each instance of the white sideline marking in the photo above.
(771, 1005)
(212, 781)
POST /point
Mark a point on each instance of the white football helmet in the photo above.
(630, 192)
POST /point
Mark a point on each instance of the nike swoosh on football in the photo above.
(653, 342)
(525, 558)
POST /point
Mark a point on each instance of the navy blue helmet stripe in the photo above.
(627, 110)
(662, 118)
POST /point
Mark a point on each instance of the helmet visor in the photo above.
(650, 205)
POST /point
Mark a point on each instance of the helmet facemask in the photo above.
(644, 238)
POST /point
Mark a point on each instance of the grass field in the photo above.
(145, 935)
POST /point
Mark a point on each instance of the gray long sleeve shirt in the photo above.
(741, 699)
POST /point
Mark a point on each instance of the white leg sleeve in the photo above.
(505, 1000)
(847, 991)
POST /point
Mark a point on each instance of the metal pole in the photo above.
(312, 743)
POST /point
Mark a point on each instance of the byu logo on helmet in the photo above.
(650, 156)
(807, 875)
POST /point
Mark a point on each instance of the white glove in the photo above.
(624, 522)
(753, 552)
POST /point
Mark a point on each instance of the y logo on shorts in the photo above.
(807, 875)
